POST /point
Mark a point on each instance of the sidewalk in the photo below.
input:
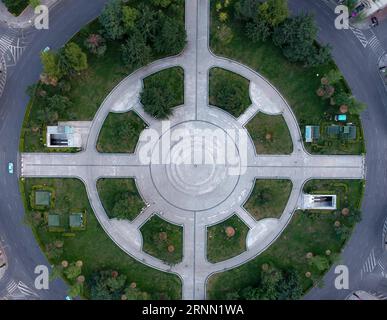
(25, 19)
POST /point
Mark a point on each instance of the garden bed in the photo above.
(269, 198)
(163, 240)
(120, 198)
(120, 133)
(270, 134)
(229, 91)
(226, 240)
(16, 7)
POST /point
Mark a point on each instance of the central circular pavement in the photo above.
(195, 165)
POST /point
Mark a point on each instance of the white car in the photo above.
(10, 168)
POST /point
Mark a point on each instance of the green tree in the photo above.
(111, 20)
(296, 36)
(34, 3)
(136, 294)
(224, 34)
(161, 3)
(96, 44)
(72, 271)
(106, 285)
(50, 65)
(320, 263)
(171, 38)
(148, 23)
(135, 52)
(156, 102)
(76, 58)
(275, 285)
(258, 30)
(58, 104)
(273, 12)
(129, 17)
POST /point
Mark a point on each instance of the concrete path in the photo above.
(195, 195)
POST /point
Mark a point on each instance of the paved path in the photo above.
(190, 195)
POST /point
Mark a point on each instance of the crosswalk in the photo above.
(11, 50)
(359, 35)
(5, 43)
(18, 290)
(369, 264)
(375, 46)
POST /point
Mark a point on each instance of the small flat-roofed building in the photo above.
(63, 137)
(347, 132)
(76, 220)
(53, 220)
(318, 202)
(312, 133)
(42, 198)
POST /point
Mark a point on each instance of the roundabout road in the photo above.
(183, 191)
(66, 19)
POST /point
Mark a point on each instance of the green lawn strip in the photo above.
(159, 236)
(269, 198)
(229, 91)
(221, 246)
(295, 82)
(93, 246)
(120, 198)
(120, 133)
(308, 231)
(16, 7)
(270, 134)
(164, 88)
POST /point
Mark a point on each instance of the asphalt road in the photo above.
(357, 64)
(21, 248)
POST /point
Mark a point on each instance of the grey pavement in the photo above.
(194, 195)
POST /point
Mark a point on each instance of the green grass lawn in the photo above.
(229, 91)
(16, 7)
(93, 246)
(159, 236)
(220, 246)
(120, 198)
(308, 231)
(269, 198)
(295, 82)
(270, 134)
(120, 133)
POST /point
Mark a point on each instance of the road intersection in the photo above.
(10, 201)
(172, 190)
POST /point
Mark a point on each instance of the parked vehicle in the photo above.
(341, 117)
(374, 22)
